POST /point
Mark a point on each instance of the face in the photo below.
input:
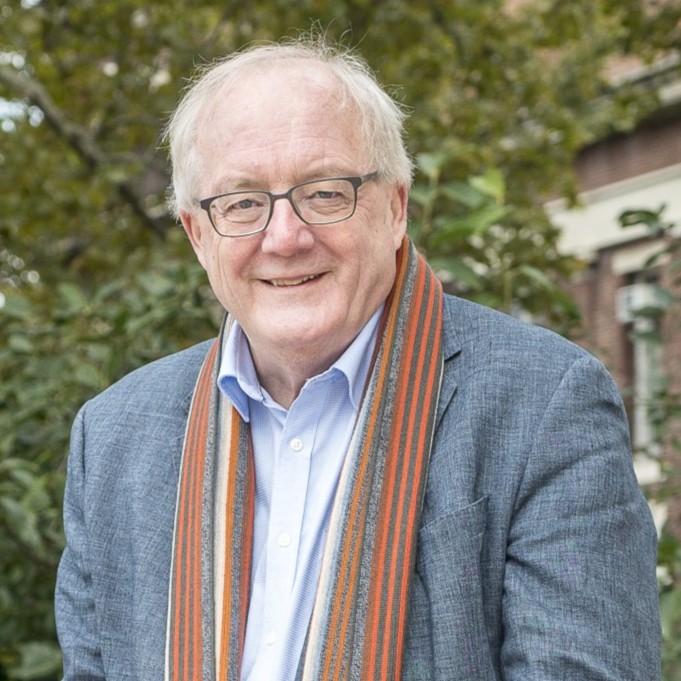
(294, 288)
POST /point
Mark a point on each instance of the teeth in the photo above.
(291, 282)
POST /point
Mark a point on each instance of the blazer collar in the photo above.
(451, 348)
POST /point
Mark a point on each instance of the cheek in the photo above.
(376, 261)
(205, 247)
(222, 271)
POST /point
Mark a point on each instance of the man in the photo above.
(361, 478)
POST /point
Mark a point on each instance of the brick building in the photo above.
(639, 170)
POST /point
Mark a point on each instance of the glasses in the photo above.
(319, 202)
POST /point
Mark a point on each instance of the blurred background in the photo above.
(547, 142)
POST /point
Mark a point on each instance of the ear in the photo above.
(398, 210)
(195, 233)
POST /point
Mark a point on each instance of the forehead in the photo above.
(289, 81)
(285, 110)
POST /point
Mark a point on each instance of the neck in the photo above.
(283, 376)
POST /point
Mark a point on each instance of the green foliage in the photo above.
(670, 605)
(478, 244)
(52, 361)
(95, 277)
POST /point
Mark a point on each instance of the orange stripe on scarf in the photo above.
(359, 618)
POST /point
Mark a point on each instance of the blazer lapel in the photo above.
(451, 348)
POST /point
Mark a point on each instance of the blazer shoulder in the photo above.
(168, 383)
(496, 335)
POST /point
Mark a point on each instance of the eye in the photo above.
(325, 194)
(239, 203)
(244, 204)
(328, 192)
(240, 206)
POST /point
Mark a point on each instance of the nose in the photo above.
(286, 233)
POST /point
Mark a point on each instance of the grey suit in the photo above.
(536, 553)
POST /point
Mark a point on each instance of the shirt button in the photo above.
(284, 539)
(296, 444)
(271, 638)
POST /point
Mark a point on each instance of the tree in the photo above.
(97, 279)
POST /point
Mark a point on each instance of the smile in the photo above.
(292, 282)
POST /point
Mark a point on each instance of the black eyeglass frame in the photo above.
(356, 181)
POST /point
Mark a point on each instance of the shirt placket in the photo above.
(286, 525)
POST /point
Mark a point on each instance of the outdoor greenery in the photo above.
(95, 277)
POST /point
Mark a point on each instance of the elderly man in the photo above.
(361, 478)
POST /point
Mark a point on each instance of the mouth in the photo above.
(297, 281)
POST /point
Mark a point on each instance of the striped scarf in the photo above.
(357, 628)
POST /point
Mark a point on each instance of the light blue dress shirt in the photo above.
(298, 457)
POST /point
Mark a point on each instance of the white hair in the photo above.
(380, 117)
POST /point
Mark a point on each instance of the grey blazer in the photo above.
(536, 552)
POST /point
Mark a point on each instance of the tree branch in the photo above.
(78, 139)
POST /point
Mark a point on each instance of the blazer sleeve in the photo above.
(580, 592)
(74, 603)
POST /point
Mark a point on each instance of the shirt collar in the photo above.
(238, 381)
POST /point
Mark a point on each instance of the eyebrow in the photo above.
(234, 185)
(246, 183)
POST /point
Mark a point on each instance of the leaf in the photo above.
(421, 195)
(538, 277)
(491, 183)
(641, 216)
(430, 163)
(72, 295)
(20, 344)
(87, 375)
(670, 611)
(16, 305)
(458, 271)
(37, 660)
(156, 284)
(464, 193)
(481, 220)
